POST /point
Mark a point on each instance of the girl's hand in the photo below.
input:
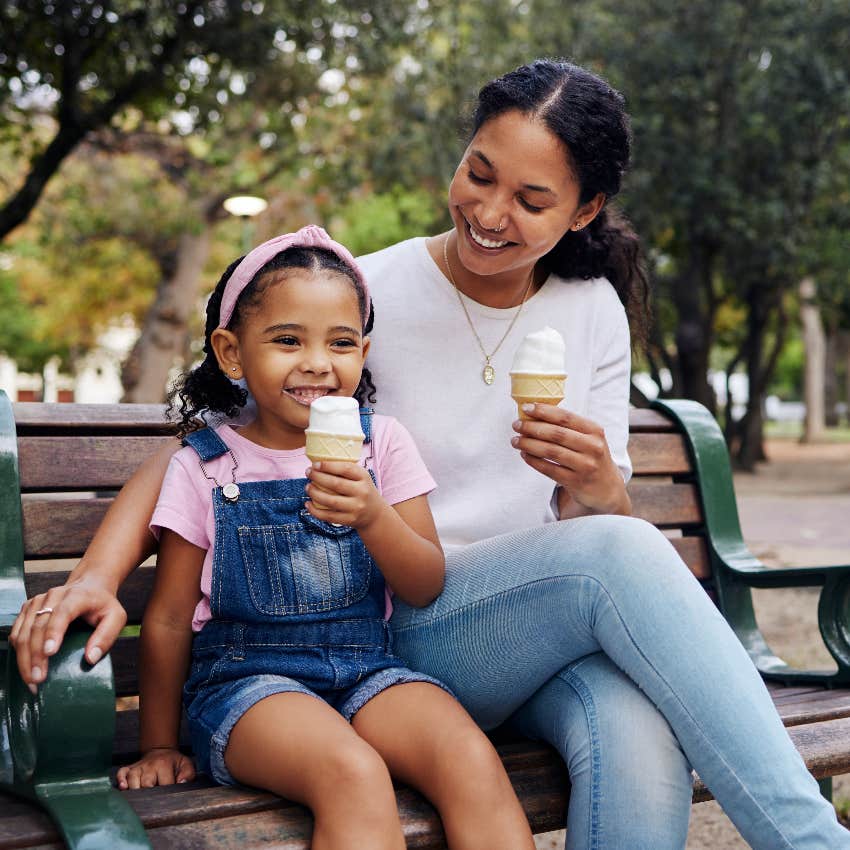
(343, 493)
(573, 452)
(159, 766)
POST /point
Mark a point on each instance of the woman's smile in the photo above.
(482, 241)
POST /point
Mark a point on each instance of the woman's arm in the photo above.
(401, 538)
(120, 544)
(165, 648)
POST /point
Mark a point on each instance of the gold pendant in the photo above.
(489, 374)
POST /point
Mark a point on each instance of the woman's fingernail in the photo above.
(95, 654)
(527, 408)
(33, 688)
(49, 646)
(317, 465)
(36, 674)
(514, 441)
(517, 424)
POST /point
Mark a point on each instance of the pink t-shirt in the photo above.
(185, 501)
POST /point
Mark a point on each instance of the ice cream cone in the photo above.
(321, 446)
(534, 387)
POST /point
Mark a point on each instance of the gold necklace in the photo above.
(488, 373)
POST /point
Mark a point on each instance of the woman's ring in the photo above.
(44, 611)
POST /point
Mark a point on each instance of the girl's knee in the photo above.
(355, 766)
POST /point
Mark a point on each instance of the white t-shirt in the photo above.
(427, 369)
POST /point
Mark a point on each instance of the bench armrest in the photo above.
(735, 570)
(56, 746)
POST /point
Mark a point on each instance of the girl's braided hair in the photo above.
(205, 388)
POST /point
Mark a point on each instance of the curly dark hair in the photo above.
(206, 388)
(589, 117)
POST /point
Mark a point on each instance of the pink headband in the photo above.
(310, 236)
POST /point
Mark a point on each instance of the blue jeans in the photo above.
(593, 635)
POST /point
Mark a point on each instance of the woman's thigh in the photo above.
(518, 608)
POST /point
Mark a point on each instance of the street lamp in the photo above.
(245, 207)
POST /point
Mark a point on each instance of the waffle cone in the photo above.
(322, 446)
(532, 388)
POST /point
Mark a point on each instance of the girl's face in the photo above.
(515, 174)
(301, 342)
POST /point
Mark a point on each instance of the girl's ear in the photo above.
(225, 344)
(366, 343)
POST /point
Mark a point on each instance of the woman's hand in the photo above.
(159, 766)
(573, 452)
(38, 636)
(343, 493)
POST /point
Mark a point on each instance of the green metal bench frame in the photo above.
(56, 747)
(735, 570)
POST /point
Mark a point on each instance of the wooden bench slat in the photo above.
(644, 419)
(659, 454)
(825, 707)
(665, 505)
(84, 418)
(88, 462)
(61, 527)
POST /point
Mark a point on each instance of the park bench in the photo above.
(58, 750)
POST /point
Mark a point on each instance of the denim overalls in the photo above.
(297, 605)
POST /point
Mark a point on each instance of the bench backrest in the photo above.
(73, 458)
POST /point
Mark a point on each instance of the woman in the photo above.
(578, 632)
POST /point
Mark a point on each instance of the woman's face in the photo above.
(514, 175)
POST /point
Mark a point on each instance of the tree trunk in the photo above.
(815, 347)
(763, 303)
(163, 342)
(831, 379)
(844, 337)
(692, 297)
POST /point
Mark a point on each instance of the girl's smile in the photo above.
(307, 395)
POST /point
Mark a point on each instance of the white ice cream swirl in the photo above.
(541, 351)
(335, 415)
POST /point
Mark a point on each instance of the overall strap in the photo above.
(366, 414)
(206, 443)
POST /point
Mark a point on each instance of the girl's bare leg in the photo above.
(428, 741)
(300, 748)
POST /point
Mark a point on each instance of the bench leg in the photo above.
(92, 815)
(826, 788)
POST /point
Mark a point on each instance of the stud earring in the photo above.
(232, 368)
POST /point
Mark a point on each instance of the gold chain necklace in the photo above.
(488, 373)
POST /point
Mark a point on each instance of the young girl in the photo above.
(274, 584)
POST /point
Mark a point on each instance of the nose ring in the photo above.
(500, 228)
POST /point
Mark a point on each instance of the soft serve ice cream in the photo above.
(537, 372)
(334, 431)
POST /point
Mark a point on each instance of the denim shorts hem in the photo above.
(379, 682)
(221, 736)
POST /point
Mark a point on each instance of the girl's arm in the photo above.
(401, 538)
(165, 648)
(120, 544)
